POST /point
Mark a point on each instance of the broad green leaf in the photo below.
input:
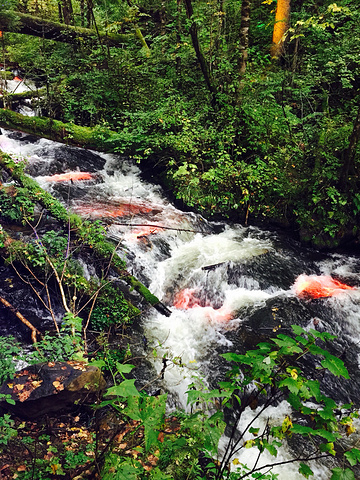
(336, 366)
(314, 388)
(98, 363)
(326, 414)
(294, 401)
(124, 389)
(291, 384)
(322, 335)
(298, 330)
(270, 448)
(353, 456)
(305, 470)
(329, 436)
(284, 341)
(302, 430)
(340, 474)
(124, 367)
(233, 357)
(316, 350)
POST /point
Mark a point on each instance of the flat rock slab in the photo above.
(52, 387)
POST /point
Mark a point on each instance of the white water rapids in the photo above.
(220, 281)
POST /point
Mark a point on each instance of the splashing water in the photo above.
(313, 286)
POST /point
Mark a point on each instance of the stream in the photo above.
(228, 286)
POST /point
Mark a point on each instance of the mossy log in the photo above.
(96, 138)
(8, 98)
(16, 22)
(86, 231)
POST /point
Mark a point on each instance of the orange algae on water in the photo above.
(185, 300)
(319, 286)
(102, 210)
(69, 176)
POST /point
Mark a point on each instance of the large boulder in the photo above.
(52, 387)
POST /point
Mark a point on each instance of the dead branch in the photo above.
(15, 311)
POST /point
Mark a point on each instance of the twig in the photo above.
(15, 311)
(156, 226)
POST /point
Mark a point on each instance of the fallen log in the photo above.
(8, 98)
(67, 133)
(16, 22)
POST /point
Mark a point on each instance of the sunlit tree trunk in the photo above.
(281, 26)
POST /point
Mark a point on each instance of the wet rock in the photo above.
(52, 387)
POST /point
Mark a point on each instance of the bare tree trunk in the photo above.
(40, 27)
(67, 12)
(281, 26)
(199, 55)
(244, 36)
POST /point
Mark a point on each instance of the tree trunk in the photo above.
(19, 97)
(67, 12)
(199, 55)
(40, 27)
(281, 26)
(67, 133)
(244, 36)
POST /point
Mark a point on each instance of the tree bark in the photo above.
(281, 25)
(67, 133)
(244, 36)
(17, 22)
(199, 55)
(19, 97)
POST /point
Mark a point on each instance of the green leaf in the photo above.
(340, 474)
(302, 430)
(335, 365)
(305, 470)
(353, 456)
(294, 401)
(314, 388)
(124, 367)
(234, 357)
(124, 389)
(298, 330)
(322, 335)
(270, 448)
(329, 436)
(291, 384)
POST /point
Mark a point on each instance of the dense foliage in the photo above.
(278, 140)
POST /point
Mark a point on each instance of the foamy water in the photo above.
(214, 278)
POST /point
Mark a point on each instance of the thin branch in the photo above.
(157, 226)
(15, 311)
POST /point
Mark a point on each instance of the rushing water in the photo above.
(227, 286)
